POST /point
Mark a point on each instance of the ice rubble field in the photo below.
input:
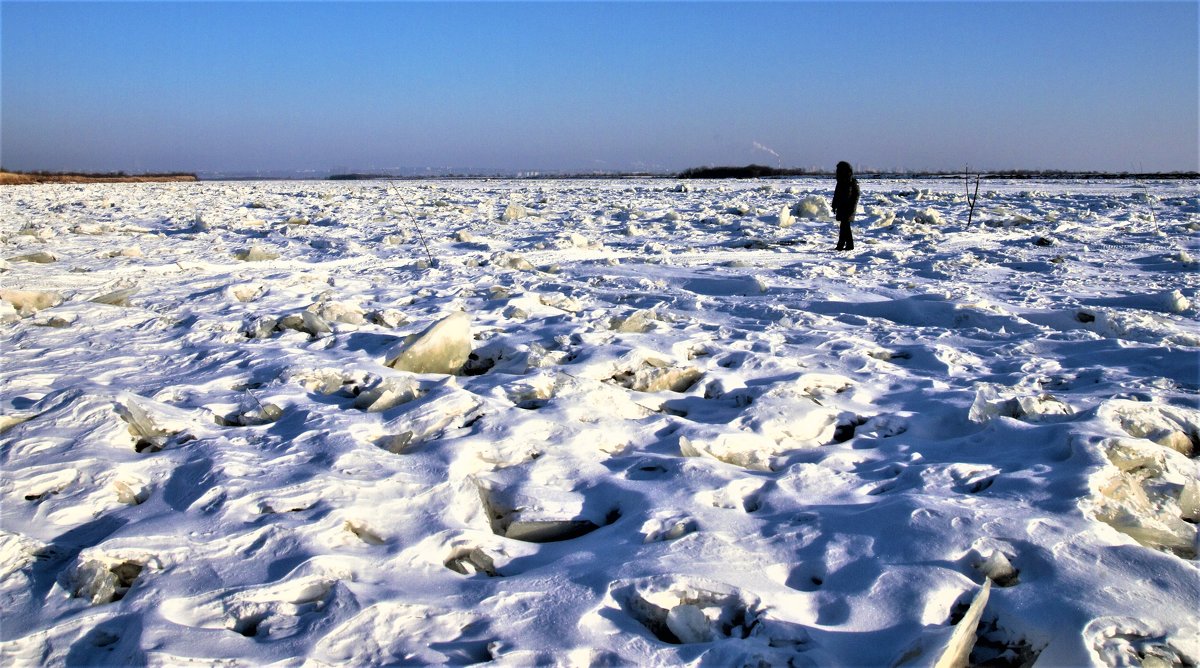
(687, 431)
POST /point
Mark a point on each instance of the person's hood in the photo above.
(844, 171)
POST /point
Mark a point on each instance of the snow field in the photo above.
(612, 422)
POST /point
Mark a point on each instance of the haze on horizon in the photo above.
(227, 87)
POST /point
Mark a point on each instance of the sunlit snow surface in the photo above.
(688, 430)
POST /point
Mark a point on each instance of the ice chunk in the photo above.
(746, 450)
(149, 433)
(670, 528)
(958, 649)
(256, 253)
(791, 417)
(1189, 500)
(949, 647)
(655, 375)
(513, 261)
(37, 232)
(443, 347)
(261, 327)
(8, 421)
(1126, 641)
(514, 211)
(471, 561)
(1173, 302)
(426, 420)
(389, 317)
(131, 492)
(262, 413)
(515, 312)
(40, 257)
(305, 321)
(560, 301)
(116, 297)
(389, 393)
(573, 240)
(693, 610)
(28, 302)
(1135, 500)
(246, 293)
(548, 531)
(813, 207)
(531, 389)
(786, 219)
(536, 514)
(104, 581)
(637, 322)
(998, 569)
(1168, 426)
(363, 532)
(338, 312)
(689, 624)
(927, 216)
(991, 402)
(324, 381)
(53, 321)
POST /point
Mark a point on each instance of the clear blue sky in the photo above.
(583, 86)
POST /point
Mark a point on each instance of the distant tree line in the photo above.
(747, 172)
(101, 175)
(763, 171)
(358, 177)
(1065, 174)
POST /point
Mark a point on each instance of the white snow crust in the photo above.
(626, 423)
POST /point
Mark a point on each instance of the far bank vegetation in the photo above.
(21, 178)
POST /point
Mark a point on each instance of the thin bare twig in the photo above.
(1150, 203)
(412, 219)
(971, 199)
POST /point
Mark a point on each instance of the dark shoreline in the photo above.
(752, 172)
(28, 178)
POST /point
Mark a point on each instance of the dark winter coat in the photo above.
(845, 194)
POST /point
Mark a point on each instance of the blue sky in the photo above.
(598, 86)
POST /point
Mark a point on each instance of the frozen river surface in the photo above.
(655, 423)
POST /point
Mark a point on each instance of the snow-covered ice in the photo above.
(599, 423)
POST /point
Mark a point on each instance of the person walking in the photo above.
(845, 203)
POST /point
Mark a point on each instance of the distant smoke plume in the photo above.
(767, 149)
